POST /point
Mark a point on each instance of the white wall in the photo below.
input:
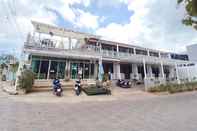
(192, 52)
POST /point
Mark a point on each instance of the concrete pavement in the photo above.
(158, 113)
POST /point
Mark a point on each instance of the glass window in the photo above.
(141, 52)
(44, 70)
(53, 69)
(61, 70)
(35, 64)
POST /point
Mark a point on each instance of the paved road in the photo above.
(163, 113)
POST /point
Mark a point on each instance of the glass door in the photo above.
(53, 70)
(74, 70)
(61, 70)
(86, 71)
(44, 69)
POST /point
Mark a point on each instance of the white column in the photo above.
(177, 73)
(117, 50)
(148, 52)
(134, 51)
(70, 43)
(67, 69)
(116, 67)
(150, 70)
(188, 74)
(144, 65)
(135, 70)
(95, 70)
(162, 71)
(48, 74)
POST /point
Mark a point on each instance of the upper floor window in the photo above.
(156, 54)
(126, 50)
(141, 52)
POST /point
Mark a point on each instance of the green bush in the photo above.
(26, 80)
(174, 88)
(94, 90)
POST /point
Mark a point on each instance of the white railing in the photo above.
(55, 45)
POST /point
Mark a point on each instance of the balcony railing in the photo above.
(55, 45)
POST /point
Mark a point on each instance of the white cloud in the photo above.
(16, 16)
(87, 20)
(155, 24)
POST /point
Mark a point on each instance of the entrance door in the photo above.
(86, 71)
(53, 70)
(44, 69)
(74, 70)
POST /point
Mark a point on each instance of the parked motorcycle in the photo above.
(57, 89)
(123, 84)
(78, 87)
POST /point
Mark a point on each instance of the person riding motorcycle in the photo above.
(56, 86)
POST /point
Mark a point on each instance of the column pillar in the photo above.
(148, 52)
(70, 43)
(135, 71)
(177, 73)
(150, 71)
(162, 70)
(67, 69)
(134, 51)
(95, 70)
(144, 65)
(116, 67)
(48, 74)
(117, 49)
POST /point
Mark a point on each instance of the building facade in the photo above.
(58, 52)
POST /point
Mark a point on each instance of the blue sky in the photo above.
(148, 23)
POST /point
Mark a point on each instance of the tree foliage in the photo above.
(191, 8)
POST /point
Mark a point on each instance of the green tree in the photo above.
(191, 8)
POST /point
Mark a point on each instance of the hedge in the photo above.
(173, 88)
(26, 80)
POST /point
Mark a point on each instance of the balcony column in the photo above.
(70, 43)
(117, 49)
(148, 52)
(134, 51)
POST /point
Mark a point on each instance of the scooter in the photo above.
(123, 84)
(78, 87)
(57, 89)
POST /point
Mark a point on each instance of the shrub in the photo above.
(93, 90)
(26, 80)
(160, 88)
(173, 88)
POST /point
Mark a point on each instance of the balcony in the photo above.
(60, 48)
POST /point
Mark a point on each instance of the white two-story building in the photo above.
(59, 52)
